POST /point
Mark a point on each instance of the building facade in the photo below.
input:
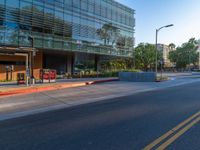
(165, 49)
(66, 33)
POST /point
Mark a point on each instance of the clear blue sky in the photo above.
(152, 14)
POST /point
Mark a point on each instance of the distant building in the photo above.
(165, 49)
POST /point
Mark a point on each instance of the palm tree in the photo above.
(172, 46)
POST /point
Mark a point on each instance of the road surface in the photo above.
(131, 122)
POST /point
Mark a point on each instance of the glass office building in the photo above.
(71, 27)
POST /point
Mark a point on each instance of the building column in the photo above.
(97, 63)
(70, 63)
(38, 64)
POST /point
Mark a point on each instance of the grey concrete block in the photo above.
(137, 76)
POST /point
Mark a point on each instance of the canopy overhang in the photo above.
(4, 50)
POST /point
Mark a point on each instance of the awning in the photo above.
(12, 50)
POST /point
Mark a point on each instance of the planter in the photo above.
(137, 76)
(195, 73)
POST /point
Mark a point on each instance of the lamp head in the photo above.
(170, 25)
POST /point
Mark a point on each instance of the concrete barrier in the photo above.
(195, 73)
(137, 76)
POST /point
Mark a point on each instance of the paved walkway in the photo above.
(5, 86)
(175, 74)
(7, 89)
(22, 105)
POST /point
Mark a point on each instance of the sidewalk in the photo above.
(9, 89)
(38, 102)
(175, 74)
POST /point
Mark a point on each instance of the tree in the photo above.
(173, 56)
(145, 55)
(117, 64)
(186, 54)
(172, 46)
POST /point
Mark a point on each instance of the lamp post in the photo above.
(31, 39)
(199, 53)
(156, 60)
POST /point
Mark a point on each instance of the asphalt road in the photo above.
(125, 123)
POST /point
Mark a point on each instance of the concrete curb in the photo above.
(101, 81)
(29, 90)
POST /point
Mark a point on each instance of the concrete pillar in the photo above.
(38, 64)
(70, 63)
(97, 63)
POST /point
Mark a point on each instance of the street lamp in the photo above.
(199, 53)
(31, 39)
(157, 30)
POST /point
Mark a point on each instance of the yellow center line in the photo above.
(157, 141)
(176, 136)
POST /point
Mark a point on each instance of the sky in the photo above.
(153, 14)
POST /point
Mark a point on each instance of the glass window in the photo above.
(48, 11)
(38, 2)
(84, 61)
(11, 25)
(68, 2)
(67, 44)
(59, 15)
(76, 19)
(12, 3)
(84, 5)
(123, 18)
(109, 13)
(28, 1)
(67, 32)
(91, 8)
(2, 2)
(12, 15)
(2, 37)
(49, 1)
(25, 6)
(38, 9)
(52, 21)
(58, 44)
(23, 38)
(11, 36)
(38, 42)
(76, 4)
(97, 7)
(68, 5)
(59, 4)
(37, 18)
(67, 17)
(48, 41)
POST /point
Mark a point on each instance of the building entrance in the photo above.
(57, 62)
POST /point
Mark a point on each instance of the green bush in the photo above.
(86, 74)
(6, 80)
(109, 74)
(131, 70)
(115, 73)
(95, 74)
